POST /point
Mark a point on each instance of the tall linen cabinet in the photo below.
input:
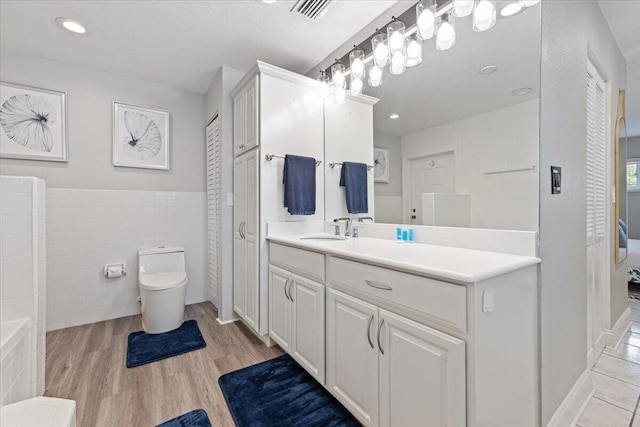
(275, 112)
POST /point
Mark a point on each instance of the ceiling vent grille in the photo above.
(312, 10)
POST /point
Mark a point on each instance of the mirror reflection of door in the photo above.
(430, 174)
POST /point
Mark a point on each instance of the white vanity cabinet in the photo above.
(391, 371)
(245, 117)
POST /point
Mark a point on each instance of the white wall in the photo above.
(218, 101)
(497, 140)
(90, 97)
(94, 217)
(23, 274)
(569, 30)
(633, 152)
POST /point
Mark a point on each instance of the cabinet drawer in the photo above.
(305, 263)
(443, 302)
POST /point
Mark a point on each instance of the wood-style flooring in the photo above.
(87, 364)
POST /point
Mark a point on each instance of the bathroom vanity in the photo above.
(410, 334)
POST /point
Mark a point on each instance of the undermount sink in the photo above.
(324, 237)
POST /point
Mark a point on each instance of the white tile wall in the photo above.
(89, 228)
(23, 266)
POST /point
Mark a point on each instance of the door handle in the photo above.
(290, 284)
(285, 289)
(378, 285)
(378, 335)
(413, 217)
(242, 227)
(369, 330)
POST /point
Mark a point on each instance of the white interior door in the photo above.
(430, 174)
(598, 234)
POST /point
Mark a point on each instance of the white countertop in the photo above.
(446, 263)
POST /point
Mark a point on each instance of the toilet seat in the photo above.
(162, 281)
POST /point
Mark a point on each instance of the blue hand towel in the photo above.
(353, 177)
(299, 180)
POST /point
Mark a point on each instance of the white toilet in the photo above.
(163, 286)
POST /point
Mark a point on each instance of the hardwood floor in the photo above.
(87, 364)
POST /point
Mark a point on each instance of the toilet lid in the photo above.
(160, 281)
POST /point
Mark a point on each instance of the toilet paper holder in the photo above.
(111, 271)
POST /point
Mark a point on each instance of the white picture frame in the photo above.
(44, 137)
(381, 165)
(140, 137)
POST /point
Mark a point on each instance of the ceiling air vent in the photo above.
(312, 10)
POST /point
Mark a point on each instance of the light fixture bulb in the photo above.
(356, 87)
(341, 95)
(375, 76)
(426, 19)
(338, 78)
(337, 75)
(398, 63)
(381, 54)
(446, 36)
(462, 8)
(71, 25)
(414, 53)
(528, 3)
(396, 41)
(357, 68)
(484, 15)
(511, 9)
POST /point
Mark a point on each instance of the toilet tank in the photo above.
(161, 259)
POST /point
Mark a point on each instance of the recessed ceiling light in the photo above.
(488, 69)
(71, 25)
(394, 116)
(511, 9)
(522, 91)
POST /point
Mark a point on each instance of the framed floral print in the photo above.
(33, 123)
(381, 165)
(140, 137)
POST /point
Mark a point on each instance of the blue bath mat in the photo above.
(145, 348)
(197, 418)
(279, 392)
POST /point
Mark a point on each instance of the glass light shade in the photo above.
(356, 86)
(446, 37)
(341, 95)
(462, 8)
(375, 76)
(426, 19)
(395, 34)
(380, 50)
(414, 52)
(511, 9)
(323, 85)
(337, 75)
(398, 63)
(356, 60)
(528, 3)
(484, 15)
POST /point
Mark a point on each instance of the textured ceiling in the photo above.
(447, 85)
(623, 18)
(181, 43)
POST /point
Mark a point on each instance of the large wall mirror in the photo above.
(460, 131)
(621, 180)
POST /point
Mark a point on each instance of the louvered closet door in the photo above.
(597, 230)
(213, 208)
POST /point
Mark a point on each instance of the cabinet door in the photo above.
(239, 119)
(251, 239)
(422, 375)
(352, 355)
(308, 325)
(239, 247)
(279, 307)
(251, 114)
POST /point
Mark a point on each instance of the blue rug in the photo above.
(145, 348)
(279, 392)
(197, 418)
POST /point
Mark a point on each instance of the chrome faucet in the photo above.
(347, 221)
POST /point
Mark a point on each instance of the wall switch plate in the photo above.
(556, 179)
(229, 199)
(487, 301)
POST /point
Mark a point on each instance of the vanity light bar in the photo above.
(334, 164)
(269, 157)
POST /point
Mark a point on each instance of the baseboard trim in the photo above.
(615, 335)
(226, 322)
(572, 407)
